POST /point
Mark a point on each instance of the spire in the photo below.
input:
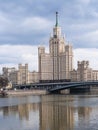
(56, 19)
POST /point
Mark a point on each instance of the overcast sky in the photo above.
(26, 24)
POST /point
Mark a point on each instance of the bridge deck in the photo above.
(58, 86)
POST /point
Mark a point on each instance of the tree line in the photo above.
(3, 81)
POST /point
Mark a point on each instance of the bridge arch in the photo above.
(73, 85)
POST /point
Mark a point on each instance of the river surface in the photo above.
(49, 112)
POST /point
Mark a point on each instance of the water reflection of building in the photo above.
(53, 113)
(22, 110)
(56, 116)
(9, 110)
(84, 112)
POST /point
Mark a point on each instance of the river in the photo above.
(49, 112)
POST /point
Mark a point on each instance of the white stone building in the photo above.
(22, 75)
(84, 72)
(57, 64)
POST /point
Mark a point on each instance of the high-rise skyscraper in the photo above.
(57, 64)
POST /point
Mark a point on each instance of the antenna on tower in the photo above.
(56, 19)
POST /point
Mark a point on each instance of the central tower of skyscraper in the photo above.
(57, 64)
(57, 46)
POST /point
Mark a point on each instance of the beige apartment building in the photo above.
(22, 75)
(58, 63)
(33, 77)
(14, 77)
(7, 71)
(95, 75)
(84, 72)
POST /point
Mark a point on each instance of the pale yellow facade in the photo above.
(33, 77)
(7, 71)
(84, 72)
(73, 75)
(22, 75)
(95, 75)
(58, 63)
(13, 77)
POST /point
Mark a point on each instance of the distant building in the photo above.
(33, 77)
(26, 77)
(13, 77)
(7, 71)
(73, 75)
(95, 75)
(84, 72)
(57, 64)
(22, 75)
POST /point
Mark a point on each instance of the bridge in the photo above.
(55, 87)
(72, 85)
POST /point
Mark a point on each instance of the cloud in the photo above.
(23, 30)
(30, 25)
(11, 56)
(28, 22)
(35, 24)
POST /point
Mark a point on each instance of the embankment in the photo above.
(26, 92)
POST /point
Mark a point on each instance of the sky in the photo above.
(27, 24)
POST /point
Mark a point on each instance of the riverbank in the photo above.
(26, 92)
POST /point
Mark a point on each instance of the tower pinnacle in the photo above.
(56, 19)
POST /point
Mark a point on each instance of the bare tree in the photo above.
(3, 81)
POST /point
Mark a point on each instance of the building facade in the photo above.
(7, 71)
(95, 75)
(84, 72)
(21, 76)
(33, 77)
(57, 64)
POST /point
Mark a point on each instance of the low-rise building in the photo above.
(13, 77)
(83, 72)
(95, 75)
(73, 75)
(22, 75)
(7, 71)
(33, 77)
